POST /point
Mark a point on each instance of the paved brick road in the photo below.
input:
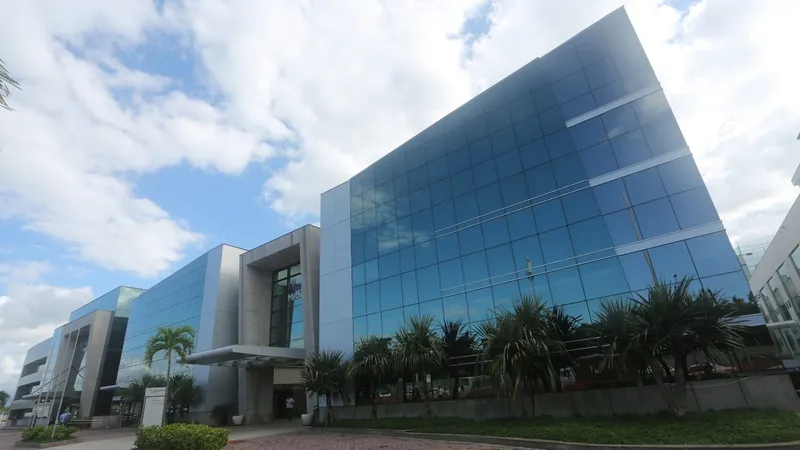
(351, 442)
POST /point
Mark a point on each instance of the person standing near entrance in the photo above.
(290, 406)
(64, 418)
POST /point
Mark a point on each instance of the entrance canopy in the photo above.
(248, 356)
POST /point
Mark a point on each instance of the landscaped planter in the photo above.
(47, 444)
(306, 419)
(237, 420)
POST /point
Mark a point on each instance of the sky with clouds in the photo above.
(148, 132)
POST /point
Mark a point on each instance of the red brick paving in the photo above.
(351, 442)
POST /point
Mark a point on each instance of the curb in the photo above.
(549, 445)
(47, 444)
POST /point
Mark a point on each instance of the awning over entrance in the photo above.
(248, 356)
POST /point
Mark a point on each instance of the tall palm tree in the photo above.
(6, 81)
(460, 349)
(517, 346)
(184, 393)
(565, 328)
(372, 358)
(613, 326)
(325, 373)
(419, 349)
(170, 340)
(671, 322)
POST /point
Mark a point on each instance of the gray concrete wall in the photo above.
(764, 392)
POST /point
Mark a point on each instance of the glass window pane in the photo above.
(664, 136)
(656, 218)
(480, 151)
(578, 106)
(672, 262)
(433, 309)
(521, 108)
(528, 130)
(403, 204)
(514, 189)
(588, 133)
(481, 305)
(521, 224)
(568, 170)
(680, 175)
(444, 215)
(405, 232)
(401, 186)
(598, 160)
(579, 311)
(500, 260)
(495, 232)
(462, 182)
(503, 141)
(644, 186)
(374, 327)
(410, 311)
(601, 73)
(373, 293)
(428, 283)
(538, 286)
(565, 286)
(556, 245)
(694, 208)
(360, 328)
(425, 254)
(571, 87)
(620, 227)
(437, 170)
(417, 178)
(484, 173)
(476, 129)
(731, 284)
(533, 154)
(371, 270)
(590, 236)
(630, 148)
(540, 180)
(420, 199)
(610, 196)
(560, 144)
(651, 108)
(544, 98)
(637, 271)
(489, 198)
(447, 247)
(580, 205)
(603, 278)
(498, 119)
(713, 254)
(440, 191)
(422, 223)
(450, 274)
(371, 244)
(528, 256)
(475, 269)
(409, 288)
(549, 215)
(508, 164)
(389, 265)
(608, 93)
(471, 240)
(407, 259)
(620, 121)
(505, 295)
(359, 301)
(359, 277)
(455, 308)
(466, 207)
(788, 279)
(392, 321)
(391, 293)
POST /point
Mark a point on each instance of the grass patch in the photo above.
(723, 427)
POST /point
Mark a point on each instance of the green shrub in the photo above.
(181, 436)
(41, 433)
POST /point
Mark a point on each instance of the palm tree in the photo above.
(134, 391)
(613, 326)
(184, 393)
(6, 81)
(419, 349)
(517, 346)
(565, 328)
(325, 373)
(671, 322)
(372, 359)
(459, 350)
(170, 340)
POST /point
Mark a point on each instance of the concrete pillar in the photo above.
(256, 388)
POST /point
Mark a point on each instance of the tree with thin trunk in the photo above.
(4, 396)
(171, 341)
(672, 322)
(6, 82)
(420, 349)
(325, 373)
(372, 358)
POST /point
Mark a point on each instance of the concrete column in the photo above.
(255, 400)
(96, 346)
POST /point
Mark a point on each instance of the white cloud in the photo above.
(29, 312)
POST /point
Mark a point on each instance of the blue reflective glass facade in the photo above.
(117, 300)
(175, 301)
(569, 179)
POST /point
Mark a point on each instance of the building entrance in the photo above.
(279, 402)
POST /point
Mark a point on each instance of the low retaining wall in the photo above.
(761, 392)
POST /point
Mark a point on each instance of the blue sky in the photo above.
(147, 133)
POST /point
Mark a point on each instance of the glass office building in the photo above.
(569, 179)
